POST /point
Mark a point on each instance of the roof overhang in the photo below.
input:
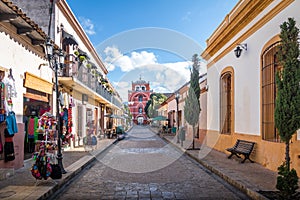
(14, 22)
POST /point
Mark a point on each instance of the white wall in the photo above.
(15, 56)
(61, 19)
(246, 74)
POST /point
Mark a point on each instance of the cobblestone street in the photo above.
(143, 166)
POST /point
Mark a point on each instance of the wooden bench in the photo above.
(242, 147)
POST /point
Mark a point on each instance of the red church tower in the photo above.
(138, 97)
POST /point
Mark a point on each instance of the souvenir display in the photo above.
(45, 149)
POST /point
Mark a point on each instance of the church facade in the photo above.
(138, 97)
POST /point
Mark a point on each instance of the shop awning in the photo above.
(160, 118)
(34, 82)
(114, 116)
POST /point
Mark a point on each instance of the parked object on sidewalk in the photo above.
(121, 136)
(94, 140)
(90, 140)
(120, 130)
(56, 171)
(242, 147)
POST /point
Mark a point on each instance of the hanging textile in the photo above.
(2, 95)
(2, 102)
(11, 123)
(1, 145)
(65, 117)
(32, 128)
(70, 123)
(9, 152)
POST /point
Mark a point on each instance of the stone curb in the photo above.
(72, 171)
(251, 193)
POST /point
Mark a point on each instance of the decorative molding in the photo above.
(271, 14)
(24, 41)
(233, 24)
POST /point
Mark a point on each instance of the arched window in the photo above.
(140, 110)
(141, 98)
(226, 101)
(137, 88)
(143, 88)
(270, 66)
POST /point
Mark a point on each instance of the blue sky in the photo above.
(135, 36)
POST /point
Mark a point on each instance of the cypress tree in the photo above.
(287, 109)
(192, 104)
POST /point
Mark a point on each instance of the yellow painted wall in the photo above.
(268, 154)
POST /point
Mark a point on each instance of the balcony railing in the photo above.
(84, 75)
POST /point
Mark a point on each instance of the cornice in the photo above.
(265, 19)
(242, 14)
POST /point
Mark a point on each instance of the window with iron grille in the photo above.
(226, 103)
(270, 67)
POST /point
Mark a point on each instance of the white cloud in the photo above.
(162, 90)
(166, 77)
(87, 25)
(114, 58)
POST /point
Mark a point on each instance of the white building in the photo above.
(241, 90)
(22, 55)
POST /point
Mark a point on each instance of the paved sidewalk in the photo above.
(22, 185)
(248, 177)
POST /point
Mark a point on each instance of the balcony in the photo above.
(81, 79)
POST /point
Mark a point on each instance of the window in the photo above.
(143, 88)
(270, 66)
(141, 98)
(137, 88)
(140, 110)
(226, 102)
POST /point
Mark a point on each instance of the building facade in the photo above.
(138, 97)
(86, 94)
(241, 94)
(28, 86)
(169, 108)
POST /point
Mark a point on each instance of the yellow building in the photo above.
(241, 83)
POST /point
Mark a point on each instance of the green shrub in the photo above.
(287, 182)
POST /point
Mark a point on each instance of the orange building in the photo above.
(138, 97)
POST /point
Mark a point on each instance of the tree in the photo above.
(149, 102)
(192, 103)
(153, 103)
(287, 109)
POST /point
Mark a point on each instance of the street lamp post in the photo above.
(56, 58)
(177, 117)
